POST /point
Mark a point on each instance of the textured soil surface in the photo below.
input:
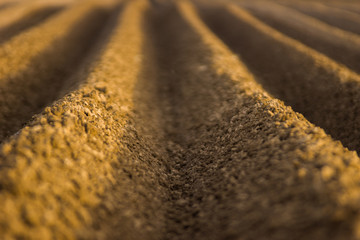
(179, 120)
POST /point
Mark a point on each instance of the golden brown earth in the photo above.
(179, 119)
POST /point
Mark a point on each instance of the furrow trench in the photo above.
(236, 152)
(161, 131)
(339, 45)
(33, 71)
(102, 142)
(349, 6)
(30, 19)
(15, 12)
(314, 85)
(343, 19)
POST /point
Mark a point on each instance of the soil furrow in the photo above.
(5, 5)
(29, 20)
(349, 6)
(33, 71)
(166, 134)
(102, 142)
(337, 44)
(243, 165)
(325, 92)
(13, 14)
(343, 19)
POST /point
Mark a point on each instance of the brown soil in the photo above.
(300, 76)
(163, 133)
(26, 88)
(27, 21)
(345, 5)
(339, 45)
(343, 19)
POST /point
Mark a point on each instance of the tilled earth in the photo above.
(179, 119)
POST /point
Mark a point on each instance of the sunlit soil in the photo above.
(179, 119)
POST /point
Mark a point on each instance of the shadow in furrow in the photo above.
(50, 77)
(190, 95)
(327, 94)
(127, 181)
(28, 21)
(342, 19)
(5, 5)
(339, 45)
(352, 7)
(226, 170)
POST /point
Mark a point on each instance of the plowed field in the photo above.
(181, 119)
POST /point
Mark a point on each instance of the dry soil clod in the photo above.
(167, 135)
